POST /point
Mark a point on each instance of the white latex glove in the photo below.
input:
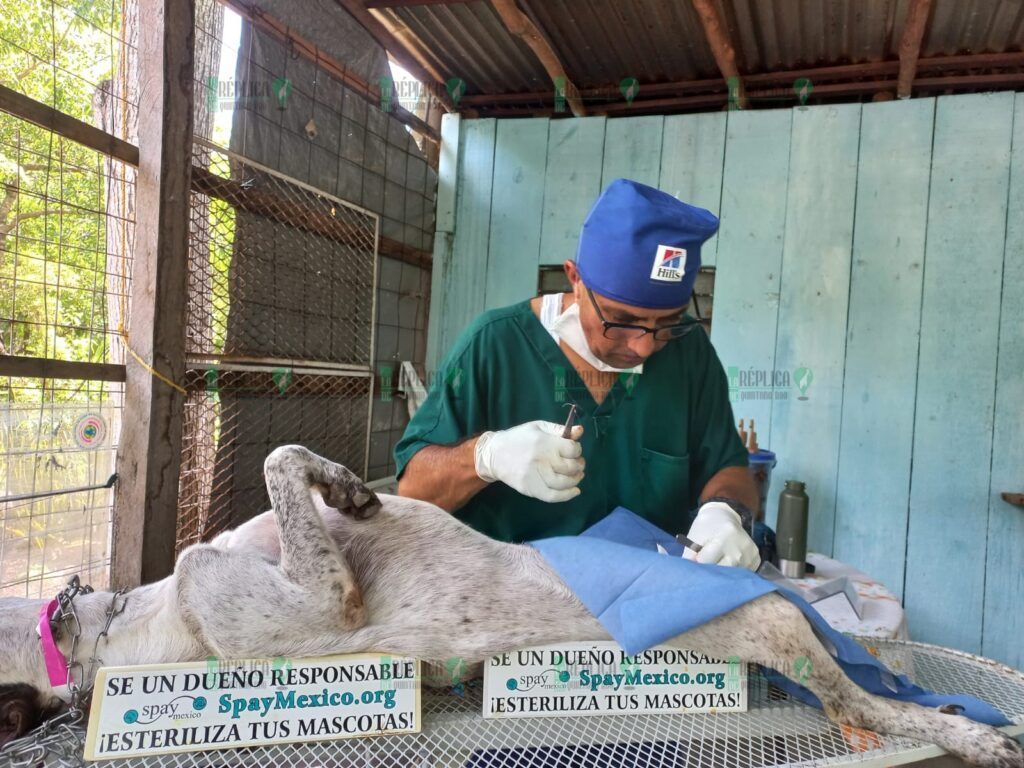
(719, 531)
(534, 459)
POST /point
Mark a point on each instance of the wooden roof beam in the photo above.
(409, 3)
(1008, 80)
(955, 67)
(910, 45)
(312, 53)
(722, 49)
(521, 26)
(379, 32)
(410, 43)
(716, 100)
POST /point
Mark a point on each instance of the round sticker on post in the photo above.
(90, 431)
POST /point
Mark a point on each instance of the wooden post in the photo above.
(910, 45)
(520, 25)
(722, 49)
(146, 499)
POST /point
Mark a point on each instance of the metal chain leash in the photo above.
(59, 741)
(66, 617)
(94, 660)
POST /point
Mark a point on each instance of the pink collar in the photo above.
(57, 669)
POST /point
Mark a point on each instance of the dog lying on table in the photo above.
(361, 573)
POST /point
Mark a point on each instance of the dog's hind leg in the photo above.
(241, 605)
(309, 556)
(773, 632)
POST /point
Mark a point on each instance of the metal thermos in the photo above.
(791, 530)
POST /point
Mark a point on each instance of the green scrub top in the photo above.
(650, 446)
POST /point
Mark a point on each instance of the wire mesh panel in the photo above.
(55, 436)
(63, 53)
(279, 334)
(776, 731)
(66, 224)
(64, 246)
(280, 271)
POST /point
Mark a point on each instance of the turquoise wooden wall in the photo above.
(873, 254)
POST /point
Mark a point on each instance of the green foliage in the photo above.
(222, 237)
(53, 286)
(60, 290)
(53, 228)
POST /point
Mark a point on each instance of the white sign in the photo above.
(166, 708)
(600, 678)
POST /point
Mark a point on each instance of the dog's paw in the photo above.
(1009, 753)
(347, 494)
(983, 745)
(1006, 753)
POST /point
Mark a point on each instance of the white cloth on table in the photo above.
(883, 616)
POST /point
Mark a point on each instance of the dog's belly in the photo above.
(262, 536)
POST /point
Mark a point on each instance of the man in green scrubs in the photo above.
(654, 429)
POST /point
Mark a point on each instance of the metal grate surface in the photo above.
(775, 731)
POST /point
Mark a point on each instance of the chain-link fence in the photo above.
(279, 334)
(775, 731)
(234, 418)
(297, 89)
(279, 272)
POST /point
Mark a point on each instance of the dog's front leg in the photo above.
(773, 632)
(309, 556)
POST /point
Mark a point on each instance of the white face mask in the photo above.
(568, 328)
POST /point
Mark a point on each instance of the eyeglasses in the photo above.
(622, 331)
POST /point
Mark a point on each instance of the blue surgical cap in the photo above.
(641, 246)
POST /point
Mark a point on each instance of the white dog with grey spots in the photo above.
(335, 569)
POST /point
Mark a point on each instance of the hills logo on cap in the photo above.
(669, 264)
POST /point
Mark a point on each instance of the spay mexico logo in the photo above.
(669, 264)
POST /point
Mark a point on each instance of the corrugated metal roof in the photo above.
(974, 26)
(789, 34)
(786, 34)
(601, 42)
(469, 40)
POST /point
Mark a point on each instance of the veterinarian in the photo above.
(654, 430)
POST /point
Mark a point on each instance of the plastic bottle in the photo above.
(791, 529)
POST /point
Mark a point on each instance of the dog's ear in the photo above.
(20, 711)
